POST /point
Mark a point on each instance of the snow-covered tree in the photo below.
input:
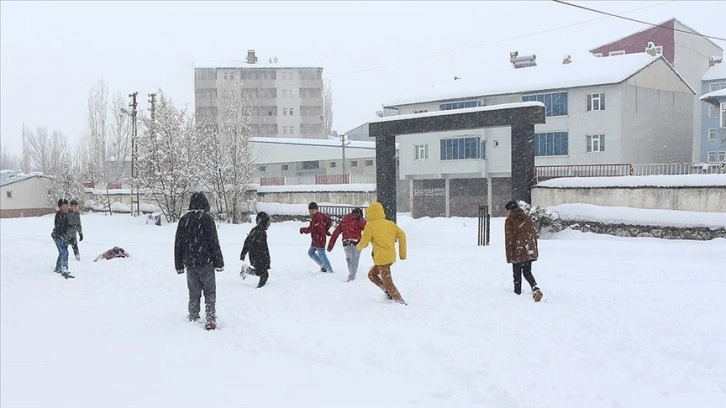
(94, 145)
(227, 160)
(8, 161)
(169, 158)
(327, 107)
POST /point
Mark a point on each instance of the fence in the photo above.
(484, 226)
(337, 212)
(317, 179)
(543, 173)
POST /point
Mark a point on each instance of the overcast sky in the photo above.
(53, 52)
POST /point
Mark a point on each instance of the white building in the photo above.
(628, 109)
(24, 195)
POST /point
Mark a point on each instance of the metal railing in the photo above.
(543, 173)
(316, 179)
(484, 226)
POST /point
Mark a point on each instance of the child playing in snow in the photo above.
(256, 245)
(520, 242)
(351, 226)
(383, 234)
(74, 226)
(318, 230)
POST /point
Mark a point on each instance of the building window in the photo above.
(658, 50)
(716, 156)
(285, 167)
(458, 105)
(332, 164)
(310, 165)
(354, 163)
(596, 102)
(555, 103)
(621, 52)
(711, 134)
(284, 75)
(421, 111)
(291, 111)
(288, 130)
(595, 143)
(723, 114)
(284, 111)
(369, 162)
(262, 168)
(421, 152)
(461, 148)
(713, 109)
(551, 144)
(9, 194)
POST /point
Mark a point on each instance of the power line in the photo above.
(484, 44)
(711, 37)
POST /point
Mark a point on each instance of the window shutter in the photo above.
(589, 103)
(602, 101)
(602, 143)
(588, 143)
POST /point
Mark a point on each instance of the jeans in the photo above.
(201, 279)
(61, 264)
(318, 255)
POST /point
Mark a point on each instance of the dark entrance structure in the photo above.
(521, 117)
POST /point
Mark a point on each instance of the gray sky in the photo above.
(53, 52)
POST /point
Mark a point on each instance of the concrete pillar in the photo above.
(522, 162)
(386, 174)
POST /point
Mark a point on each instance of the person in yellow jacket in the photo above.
(383, 234)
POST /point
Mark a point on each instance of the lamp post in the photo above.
(343, 142)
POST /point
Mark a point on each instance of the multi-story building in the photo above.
(629, 109)
(713, 114)
(286, 101)
(687, 50)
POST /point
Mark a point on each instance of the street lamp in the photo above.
(343, 142)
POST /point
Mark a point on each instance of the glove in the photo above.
(302, 230)
(80, 238)
(180, 271)
(241, 257)
(219, 269)
(330, 248)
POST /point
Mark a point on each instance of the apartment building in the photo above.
(713, 115)
(286, 101)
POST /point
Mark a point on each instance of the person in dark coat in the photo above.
(196, 248)
(318, 229)
(75, 230)
(351, 226)
(61, 237)
(520, 242)
(256, 245)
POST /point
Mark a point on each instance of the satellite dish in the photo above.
(274, 60)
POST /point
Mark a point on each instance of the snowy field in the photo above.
(625, 322)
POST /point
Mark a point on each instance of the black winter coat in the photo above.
(256, 245)
(60, 228)
(196, 242)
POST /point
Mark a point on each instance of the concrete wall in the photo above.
(702, 199)
(357, 198)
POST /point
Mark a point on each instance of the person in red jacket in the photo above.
(318, 230)
(351, 226)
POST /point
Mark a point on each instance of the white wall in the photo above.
(26, 194)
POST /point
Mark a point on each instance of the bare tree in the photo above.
(327, 107)
(95, 147)
(9, 161)
(42, 152)
(227, 160)
(169, 151)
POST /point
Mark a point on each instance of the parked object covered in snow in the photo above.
(115, 252)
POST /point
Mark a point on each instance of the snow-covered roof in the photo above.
(587, 71)
(241, 63)
(13, 176)
(717, 71)
(714, 97)
(313, 142)
(457, 111)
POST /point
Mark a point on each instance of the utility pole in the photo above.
(343, 142)
(134, 154)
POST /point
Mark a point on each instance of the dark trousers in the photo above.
(74, 243)
(262, 273)
(201, 279)
(519, 269)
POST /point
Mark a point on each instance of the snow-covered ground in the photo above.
(625, 322)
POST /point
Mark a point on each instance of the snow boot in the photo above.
(210, 325)
(537, 295)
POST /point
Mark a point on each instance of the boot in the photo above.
(537, 294)
(263, 279)
(210, 325)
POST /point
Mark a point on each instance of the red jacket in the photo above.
(351, 226)
(318, 228)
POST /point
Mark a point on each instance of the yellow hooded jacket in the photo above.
(383, 234)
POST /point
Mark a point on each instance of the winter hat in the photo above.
(358, 211)
(199, 201)
(512, 205)
(262, 219)
(62, 201)
(313, 206)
